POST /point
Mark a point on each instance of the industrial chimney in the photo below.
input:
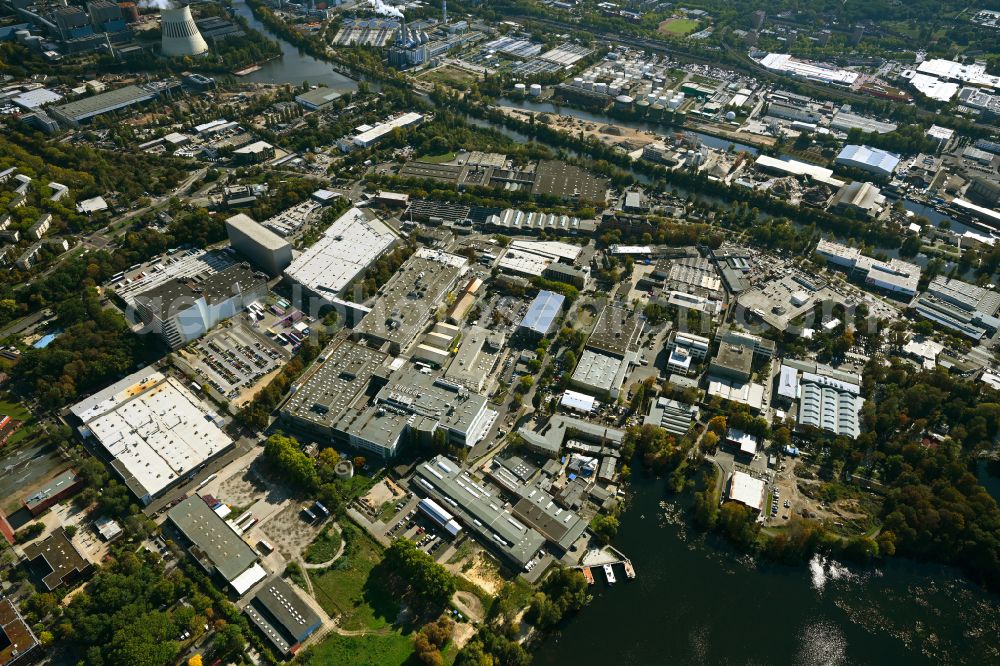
(180, 34)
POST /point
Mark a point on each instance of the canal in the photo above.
(695, 601)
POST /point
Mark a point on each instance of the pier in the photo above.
(605, 558)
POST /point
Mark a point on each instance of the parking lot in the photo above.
(235, 361)
(407, 521)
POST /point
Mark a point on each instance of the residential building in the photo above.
(38, 229)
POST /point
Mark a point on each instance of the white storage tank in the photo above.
(601, 88)
(519, 88)
(536, 89)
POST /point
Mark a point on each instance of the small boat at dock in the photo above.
(629, 570)
(610, 574)
(588, 574)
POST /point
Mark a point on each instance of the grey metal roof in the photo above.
(479, 508)
(278, 607)
(209, 533)
(95, 105)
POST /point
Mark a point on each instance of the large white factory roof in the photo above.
(554, 249)
(931, 86)
(874, 159)
(373, 134)
(36, 98)
(155, 429)
(974, 73)
(797, 168)
(348, 247)
(783, 62)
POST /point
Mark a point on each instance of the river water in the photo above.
(294, 67)
(695, 601)
(718, 143)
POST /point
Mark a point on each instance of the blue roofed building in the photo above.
(873, 160)
(542, 314)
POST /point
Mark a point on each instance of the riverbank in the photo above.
(700, 602)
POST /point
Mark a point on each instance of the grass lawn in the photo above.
(14, 410)
(391, 649)
(703, 80)
(451, 76)
(387, 511)
(437, 159)
(323, 547)
(677, 27)
(350, 588)
(25, 431)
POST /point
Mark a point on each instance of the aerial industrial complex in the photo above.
(362, 333)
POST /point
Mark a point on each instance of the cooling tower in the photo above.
(180, 35)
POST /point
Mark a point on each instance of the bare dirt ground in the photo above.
(484, 572)
(289, 533)
(462, 634)
(243, 489)
(790, 488)
(611, 135)
(379, 494)
(469, 605)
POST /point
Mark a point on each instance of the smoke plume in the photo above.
(158, 4)
(381, 8)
